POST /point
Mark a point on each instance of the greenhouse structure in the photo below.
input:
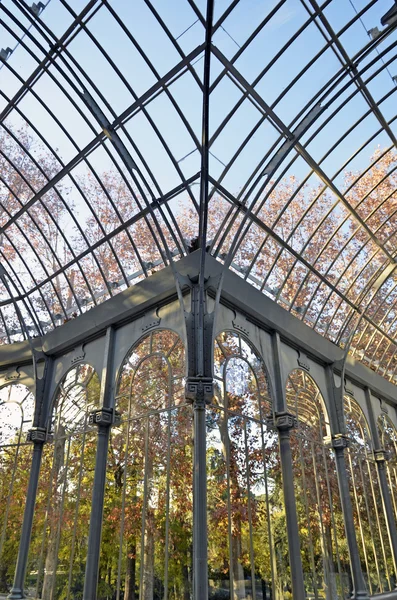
(198, 299)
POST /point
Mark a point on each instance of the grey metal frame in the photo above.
(55, 60)
(104, 341)
(353, 309)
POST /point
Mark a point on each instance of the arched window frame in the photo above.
(131, 458)
(26, 407)
(171, 383)
(54, 491)
(318, 403)
(388, 441)
(262, 369)
(61, 393)
(245, 462)
(388, 430)
(315, 474)
(368, 511)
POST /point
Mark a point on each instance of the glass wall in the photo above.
(147, 532)
(369, 519)
(16, 414)
(322, 535)
(247, 544)
(58, 548)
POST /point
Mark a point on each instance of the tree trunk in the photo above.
(329, 565)
(147, 569)
(3, 577)
(50, 567)
(238, 571)
(129, 589)
(186, 582)
(148, 557)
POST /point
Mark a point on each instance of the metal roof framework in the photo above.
(203, 106)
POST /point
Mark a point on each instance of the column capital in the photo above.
(283, 421)
(37, 435)
(104, 417)
(381, 455)
(338, 441)
(199, 390)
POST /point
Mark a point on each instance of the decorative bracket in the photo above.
(283, 421)
(239, 323)
(303, 361)
(199, 390)
(381, 455)
(337, 441)
(12, 374)
(78, 354)
(104, 417)
(384, 407)
(349, 390)
(213, 282)
(37, 435)
(152, 319)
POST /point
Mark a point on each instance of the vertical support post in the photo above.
(380, 459)
(339, 442)
(199, 334)
(283, 421)
(103, 418)
(38, 436)
(95, 532)
(200, 558)
(380, 455)
(199, 391)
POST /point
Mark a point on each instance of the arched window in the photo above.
(247, 546)
(16, 414)
(147, 535)
(375, 553)
(388, 441)
(60, 531)
(324, 552)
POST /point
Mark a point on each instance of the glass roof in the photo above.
(101, 146)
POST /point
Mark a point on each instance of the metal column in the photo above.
(283, 421)
(38, 436)
(199, 329)
(103, 418)
(380, 456)
(339, 442)
(199, 391)
(200, 537)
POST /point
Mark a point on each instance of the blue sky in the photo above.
(179, 16)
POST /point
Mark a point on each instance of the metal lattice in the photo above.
(121, 122)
